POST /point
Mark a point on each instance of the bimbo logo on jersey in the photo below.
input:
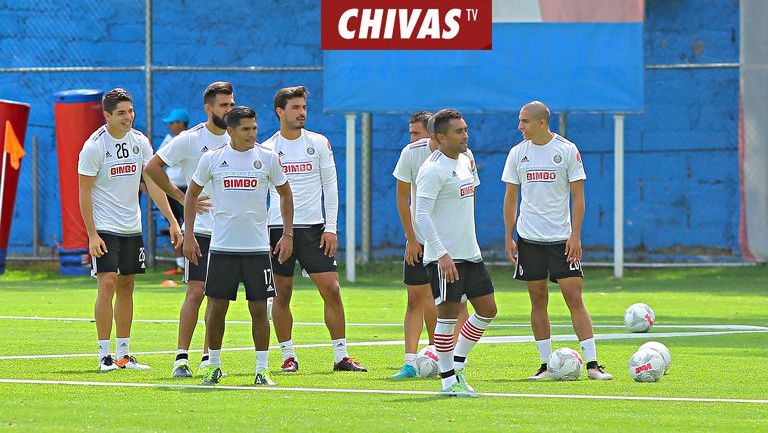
(299, 167)
(540, 176)
(240, 183)
(406, 25)
(118, 170)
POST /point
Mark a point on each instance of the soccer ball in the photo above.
(646, 365)
(565, 364)
(426, 362)
(639, 318)
(663, 351)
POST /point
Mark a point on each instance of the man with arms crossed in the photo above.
(240, 174)
(546, 170)
(307, 160)
(445, 215)
(109, 170)
(421, 304)
(185, 151)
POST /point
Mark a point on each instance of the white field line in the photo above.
(484, 340)
(374, 391)
(397, 325)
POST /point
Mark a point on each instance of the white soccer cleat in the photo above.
(130, 363)
(598, 373)
(542, 373)
(107, 364)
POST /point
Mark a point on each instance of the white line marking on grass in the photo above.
(398, 325)
(375, 391)
(484, 340)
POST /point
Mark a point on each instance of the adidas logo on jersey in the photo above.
(204, 149)
(223, 164)
(453, 174)
(280, 153)
(109, 155)
(525, 159)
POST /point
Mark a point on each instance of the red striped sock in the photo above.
(470, 334)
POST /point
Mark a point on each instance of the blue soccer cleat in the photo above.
(407, 372)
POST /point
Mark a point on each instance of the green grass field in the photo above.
(726, 366)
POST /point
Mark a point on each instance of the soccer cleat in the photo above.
(182, 370)
(461, 376)
(348, 364)
(211, 376)
(107, 364)
(290, 365)
(130, 363)
(597, 373)
(204, 366)
(407, 372)
(542, 373)
(458, 390)
(264, 378)
(175, 271)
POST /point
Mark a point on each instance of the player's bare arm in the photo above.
(284, 247)
(96, 245)
(161, 200)
(573, 244)
(510, 219)
(154, 170)
(191, 248)
(413, 251)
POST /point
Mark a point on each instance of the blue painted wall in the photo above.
(681, 153)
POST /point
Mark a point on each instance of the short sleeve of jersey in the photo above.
(146, 151)
(473, 164)
(175, 151)
(510, 175)
(276, 175)
(203, 173)
(428, 183)
(90, 160)
(326, 154)
(402, 171)
(575, 166)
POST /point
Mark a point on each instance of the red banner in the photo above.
(406, 24)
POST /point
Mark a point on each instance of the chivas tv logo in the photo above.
(406, 24)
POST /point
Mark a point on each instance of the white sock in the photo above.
(588, 349)
(262, 360)
(180, 262)
(444, 348)
(470, 334)
(287, 348)
(545, 349)
(410, 359)
(214, 357)
(123, 347)
(339, 349)
(182, 357)
(103, 348)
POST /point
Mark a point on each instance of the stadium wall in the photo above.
(681, 178)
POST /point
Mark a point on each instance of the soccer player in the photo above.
(110, 168)
(421, 304)
(184, 152)
(307, 160)
(546, 170)
(445, 188)
(240, 175)
(177, 121)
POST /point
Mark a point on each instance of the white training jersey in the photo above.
(412, 157)
(175, 173)
(117, 165)
(185, 151)
(451, 183)
(307, 161)
(544, 173)
(240, 183)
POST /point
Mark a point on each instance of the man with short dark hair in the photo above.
(445, 189)
(185, 151)
(110, 168)
(547, 171)
(240, 175)
(307, 160)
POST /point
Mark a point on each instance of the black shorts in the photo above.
(177, 208)
(538, 261)
(415, 275)
(306, 249)
(125, 255)
(473, 282)
(227, 270)
(198, 272)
